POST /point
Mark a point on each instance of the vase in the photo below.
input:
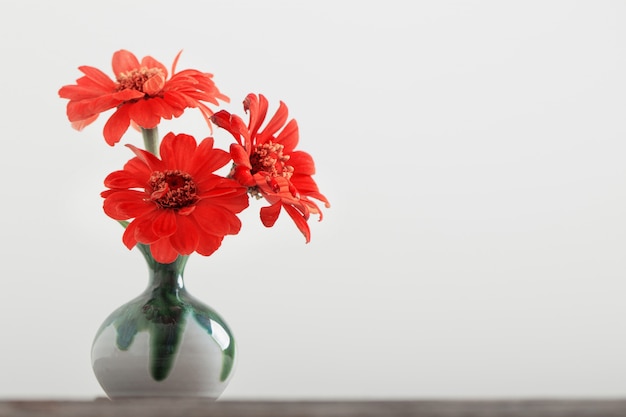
(163, 343)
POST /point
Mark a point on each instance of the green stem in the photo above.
(151, 140)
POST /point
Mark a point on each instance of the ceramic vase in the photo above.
(163, 343)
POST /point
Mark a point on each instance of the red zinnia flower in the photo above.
(265, 162)
(177, 202)
(141, 93)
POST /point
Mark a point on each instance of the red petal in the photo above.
(289, 136)
(233, 199)
(243, 176)
(270, 214)
(143, 231)
(154, 84)
(208, 244)
(126, 204)
(276, 122)
(258, 110)
(216, 220)
(186, 239)
(302, 163)
(98, 77)
(134, 175)
(163, 252)
(116, 126)
(300, 222)
(176, 62)
(80, 125)
(240, 155)
(177, 151)
(164, 223)
(124, 61)
(153, 163)
(127, 94)
(129, 235)
(144, 114)
(207, 159)
(86, 108)
(149, 62)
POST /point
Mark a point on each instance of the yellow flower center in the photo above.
(136, 79)
(172, 189)
(269, 158)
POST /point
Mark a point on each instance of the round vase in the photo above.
(163, 343)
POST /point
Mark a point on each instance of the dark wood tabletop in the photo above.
(190, 407)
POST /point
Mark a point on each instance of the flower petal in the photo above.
(116, 126)
(144, 113)
(186, 238)
(300, 222)
(124, 61)
(163, 252)
(178, 151)
(209, 244)
(270, 214)
(164, 223)
(125, 204)
(216, 220)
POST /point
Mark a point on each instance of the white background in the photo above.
(473, 152)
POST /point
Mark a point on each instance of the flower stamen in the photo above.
(269, 158)
(172, 189)
(136, 79)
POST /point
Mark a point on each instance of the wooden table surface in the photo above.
(226, 408)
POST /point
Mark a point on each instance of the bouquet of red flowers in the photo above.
(169, 196)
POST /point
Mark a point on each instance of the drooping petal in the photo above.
(143, 113)
(81, 124)
(162, 251)
(270, 214)
(186, 238)
(83, 109)
(128, 238)
(300, 222)
(116, 126)
(209, 244)
(144, 232)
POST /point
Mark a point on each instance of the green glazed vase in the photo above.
(163, 343)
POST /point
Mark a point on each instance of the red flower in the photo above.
(266, 162)
(177, 202)
(141, 93)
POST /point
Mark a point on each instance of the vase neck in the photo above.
(168, 277)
